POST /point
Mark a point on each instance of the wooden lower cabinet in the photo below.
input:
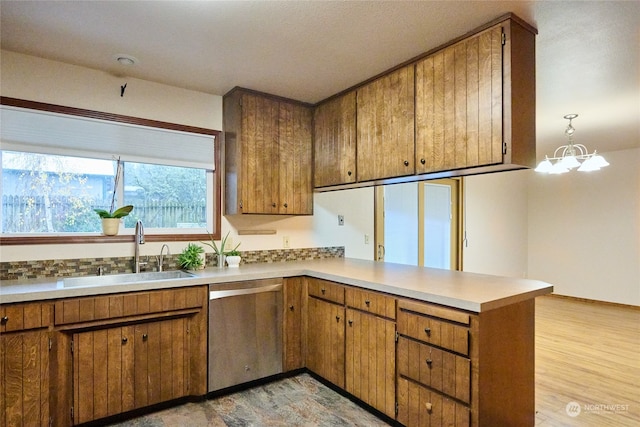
(325, 340)
(24, 387)
(419, 406)
(293, 330)
(370, 360)
(119, 369)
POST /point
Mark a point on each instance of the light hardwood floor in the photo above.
(589, 354)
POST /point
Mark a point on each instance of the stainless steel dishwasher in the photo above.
(245, 332)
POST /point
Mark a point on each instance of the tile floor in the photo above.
(295, 401)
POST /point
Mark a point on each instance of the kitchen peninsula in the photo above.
(416, 344)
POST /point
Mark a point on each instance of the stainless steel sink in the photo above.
(116, 279)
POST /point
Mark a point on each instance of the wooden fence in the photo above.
(42, 214)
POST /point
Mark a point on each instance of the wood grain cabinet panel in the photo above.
(268, 154)
(419, 406)
(325, 340)
(24, 387)
(334, 141)
(385, 126)
(370, 360)
(294, 290)
(371, 302)
(459, 105)
(326, 290)
(119, 369)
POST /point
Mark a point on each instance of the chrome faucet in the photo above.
(161, 257)
(139, 240)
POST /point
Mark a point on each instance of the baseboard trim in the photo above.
(593, 301)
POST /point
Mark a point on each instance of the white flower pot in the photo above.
(233, 261)
(110, 226)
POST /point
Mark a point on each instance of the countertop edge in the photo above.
(52, 289)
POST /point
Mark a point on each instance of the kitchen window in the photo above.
(57, 166)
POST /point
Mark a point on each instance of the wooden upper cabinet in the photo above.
(475, 102)
(385, 126)
(267, 155)
(335, 141)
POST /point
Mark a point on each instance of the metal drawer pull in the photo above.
(144, 337)
(291, 307)
(429, 407)
(367, 302)
(427, 331)
(350, 322)
(337, 318)
(5, 319)
(124, 340)
(429, 362)
(323, 290)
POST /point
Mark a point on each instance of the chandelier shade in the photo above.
(571, 156)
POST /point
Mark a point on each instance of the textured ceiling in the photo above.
(587, 51)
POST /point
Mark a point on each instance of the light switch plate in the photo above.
(340, 219)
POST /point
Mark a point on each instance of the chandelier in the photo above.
(570, 156)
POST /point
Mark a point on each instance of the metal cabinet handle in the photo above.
(429, 406)
(350, 322)
(337, 318)
(291, 307)
(124, 340)
(367, 302)
(5, 319)
(145, 337)
(429, 362)
(323, 290)
(349, 173)
(427, 331)
(286, 205)
(406, 163)
(273, 205)
(423, 161)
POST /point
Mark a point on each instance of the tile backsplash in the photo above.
(89, 266)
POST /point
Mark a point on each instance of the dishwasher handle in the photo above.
(248, 291)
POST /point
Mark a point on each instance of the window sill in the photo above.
(89, 239)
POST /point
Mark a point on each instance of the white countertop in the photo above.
(466, 291)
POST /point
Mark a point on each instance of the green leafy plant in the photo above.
(190, 258)
(219, 250)
(233, 253)
(113, 212)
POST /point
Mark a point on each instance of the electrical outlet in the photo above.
(285, 241)
(366, 239)
(340, 219)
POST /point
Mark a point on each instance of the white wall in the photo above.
(496, 224)
(584, 230)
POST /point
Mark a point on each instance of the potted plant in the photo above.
(233, 258)
(191, 257)
(219, 250)
(111, 218)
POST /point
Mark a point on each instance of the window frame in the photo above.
(81, 238)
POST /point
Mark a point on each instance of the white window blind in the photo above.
(52, 133)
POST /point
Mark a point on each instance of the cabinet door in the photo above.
(385, 122)
(293, 353)
(24, 388)
(459, 105)
(370, 360)
(325, 340)
(103, 373)
(335, 141)
(259, 139)
(294, 156)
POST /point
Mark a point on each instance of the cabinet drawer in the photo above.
(24, 316)
(104, 307)
(372, 302)
(418, 406)
(326, 290)
(439, 332)
(435, 368)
